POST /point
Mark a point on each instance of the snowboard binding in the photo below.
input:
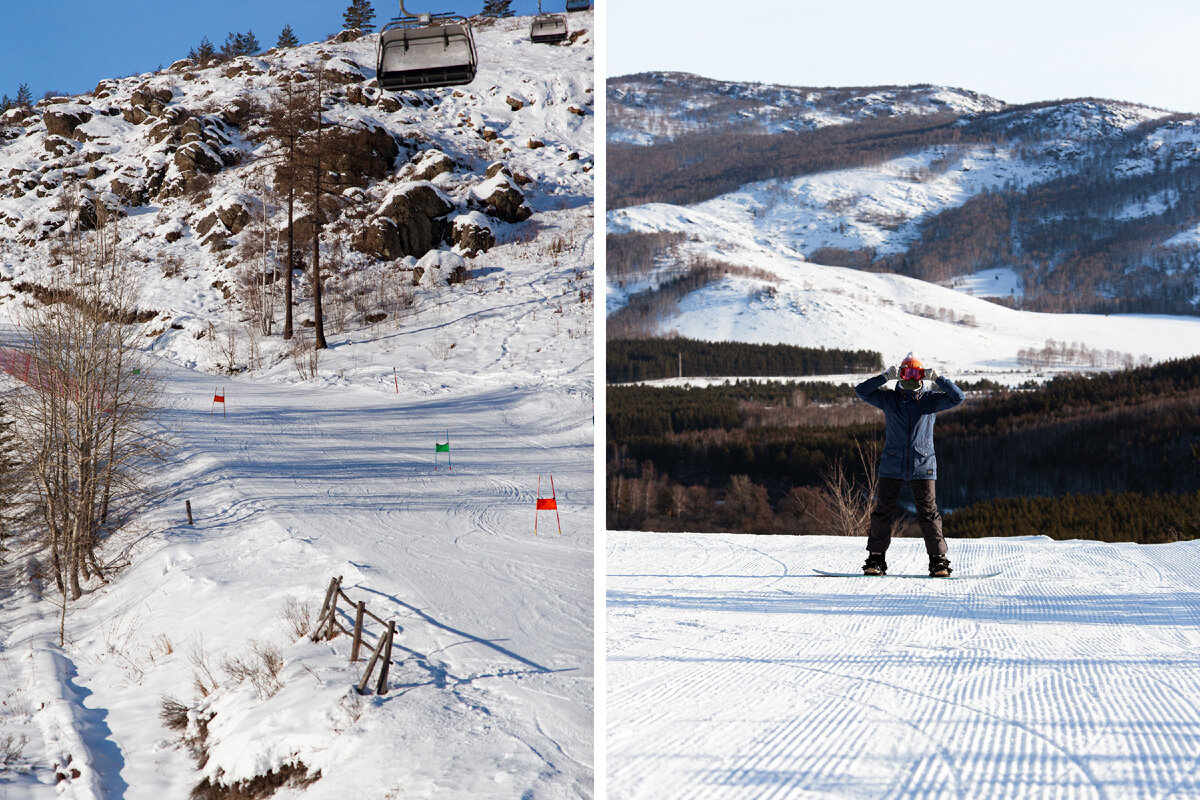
(876, 565)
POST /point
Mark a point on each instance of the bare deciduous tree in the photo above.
(848, 501)
(87, 418)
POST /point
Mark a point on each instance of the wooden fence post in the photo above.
(358, 626)
(189, 512)
(329, 593)
(381, 687)
(362, 684)
(333, 598)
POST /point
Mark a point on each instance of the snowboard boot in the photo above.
(939, 567)
(876, 565)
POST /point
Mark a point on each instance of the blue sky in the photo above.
(1018, 51)
(70, 45)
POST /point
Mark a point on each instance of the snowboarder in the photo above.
(908, 413)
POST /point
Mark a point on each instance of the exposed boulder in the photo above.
(342, 72)
(408, 222)
(502, 199)
(233, 215)
(437, 266)
(196, 156)
(472, 234)
(361, 155)
(62, 121)
(57, 146)
(380, 238)
(131, 189)
(426, 166)
(15, 116)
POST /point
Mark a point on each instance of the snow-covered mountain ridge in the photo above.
(1089, 203)
(654, 107)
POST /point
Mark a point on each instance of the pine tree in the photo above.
(497, 8)
(230, 47)
(204, 53)
(359, 15)
(5, 104)
(24, 96)
(248, 43)
(287, 38)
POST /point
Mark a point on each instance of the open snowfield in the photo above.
(734, 672)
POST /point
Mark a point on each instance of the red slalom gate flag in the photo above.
(546, 504)
(218, 397)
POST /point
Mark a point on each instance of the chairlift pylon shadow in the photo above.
(425, 51)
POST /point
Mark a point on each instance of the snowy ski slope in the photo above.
(734, 672)
(307, 478)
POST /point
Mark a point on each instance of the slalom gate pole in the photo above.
(546, 504)
(554, 495)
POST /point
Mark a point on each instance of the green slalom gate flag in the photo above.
(442, 448)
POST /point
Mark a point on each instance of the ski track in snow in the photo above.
(734, 672)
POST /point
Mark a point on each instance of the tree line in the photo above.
(1130, 431)
(700, 166)
(629, 360)
(1148, 518)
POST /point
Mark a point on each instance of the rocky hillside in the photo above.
(1087, 204)
(177, 174)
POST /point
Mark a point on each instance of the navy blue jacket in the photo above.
(908, 423)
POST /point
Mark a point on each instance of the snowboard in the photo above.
(951, 577)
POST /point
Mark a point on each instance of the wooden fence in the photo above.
(328, 627)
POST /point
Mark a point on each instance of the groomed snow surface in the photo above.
(492, 675)
(734, 672)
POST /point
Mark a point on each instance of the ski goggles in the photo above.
(912, 374)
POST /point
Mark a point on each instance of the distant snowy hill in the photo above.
(1089, 204)
(654, 107)
(776, 296)
(458, 300)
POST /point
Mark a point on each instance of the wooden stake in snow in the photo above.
(546, 504)
(188, 504)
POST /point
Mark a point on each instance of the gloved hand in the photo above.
(931, 375)
(892, 374)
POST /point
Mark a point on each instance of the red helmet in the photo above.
(911, 369)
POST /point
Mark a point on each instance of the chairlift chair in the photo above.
(548, 28)
(578, 5)
(425, 51)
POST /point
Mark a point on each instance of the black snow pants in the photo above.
(925, 497)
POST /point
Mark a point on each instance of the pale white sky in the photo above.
(1019, 51)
